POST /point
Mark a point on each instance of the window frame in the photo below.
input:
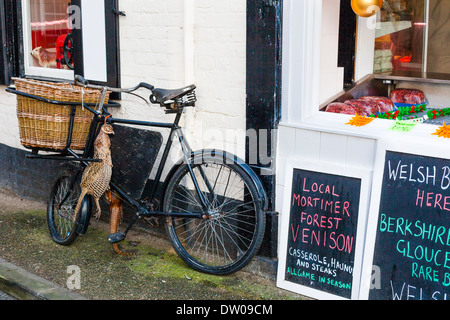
(33, 71)
(12, 52)
(15, 46)
(112, 46)
(4, 68)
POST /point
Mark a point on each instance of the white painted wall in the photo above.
(157, 48)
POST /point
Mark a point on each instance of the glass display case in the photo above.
(413, 36)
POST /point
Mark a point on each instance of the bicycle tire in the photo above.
(62, 221)
(227, 241)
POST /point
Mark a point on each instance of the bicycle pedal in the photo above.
(116, 237)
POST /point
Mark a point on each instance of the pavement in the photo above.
(20, 284)
(4, 296)
(33, 267)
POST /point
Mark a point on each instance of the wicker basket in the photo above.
(46, 125)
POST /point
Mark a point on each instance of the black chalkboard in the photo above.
(412, 247)
(322, 231)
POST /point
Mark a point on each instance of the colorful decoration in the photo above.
(403, 113)
(443, 132)
(366, 8)
(433, 114)
(359, 121)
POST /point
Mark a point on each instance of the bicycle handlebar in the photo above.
(80, 80)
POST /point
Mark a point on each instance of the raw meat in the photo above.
(342, 108)
(408, 96)
(365, 107)
(335, 107)
(384, 104)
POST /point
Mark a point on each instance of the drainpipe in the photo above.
(189, 49)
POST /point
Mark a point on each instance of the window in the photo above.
(400, 37)
(55, 39)
(46, 32)
(413, 36)
(420, 57)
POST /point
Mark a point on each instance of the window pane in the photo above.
(438, 37)
(400, 35)
(49, 29)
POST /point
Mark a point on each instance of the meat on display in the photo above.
(342, 108)
(364, 106)
(408, 96)
(384, 104)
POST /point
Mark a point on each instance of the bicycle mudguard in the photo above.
(228, 158)
(85, 217)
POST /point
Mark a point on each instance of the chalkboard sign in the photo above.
(411, 255)
(321, 231)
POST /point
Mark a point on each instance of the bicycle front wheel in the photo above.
(232, 233)
(61, 218)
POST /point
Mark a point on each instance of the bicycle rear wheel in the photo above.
(61, 219)
(226, 241)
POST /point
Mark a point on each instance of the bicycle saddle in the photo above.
(162, 96)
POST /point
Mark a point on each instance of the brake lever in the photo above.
(135, 94)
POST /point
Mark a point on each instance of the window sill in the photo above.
(378, 129)
(48, 73)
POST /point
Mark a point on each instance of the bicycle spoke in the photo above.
(61, 218)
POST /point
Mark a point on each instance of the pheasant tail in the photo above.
(78, 207)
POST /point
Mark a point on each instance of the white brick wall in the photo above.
(220, 71)
(153, 50)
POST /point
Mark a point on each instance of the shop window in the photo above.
(400, 37)
(413, 36)
(47, 38)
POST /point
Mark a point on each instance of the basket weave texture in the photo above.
(45, 125)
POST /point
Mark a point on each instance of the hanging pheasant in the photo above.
(97, 175)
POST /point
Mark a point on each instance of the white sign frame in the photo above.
(328, 168)
(436, 149)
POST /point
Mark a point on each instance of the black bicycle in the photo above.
(213, 202)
